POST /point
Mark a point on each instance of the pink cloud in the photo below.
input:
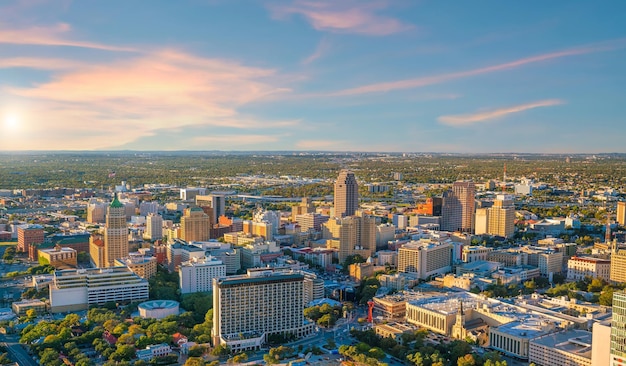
(468, 119)
(322, 49)
(344, 16)
(56, 35)
(437, 79)
(111, 104)
(39, 63)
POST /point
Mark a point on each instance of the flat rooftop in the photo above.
(577, 342)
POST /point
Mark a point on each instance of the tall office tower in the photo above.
(466, 193)
(346, 194)
(502, 216)
(450, 212)
(618, 266)
(481, 221)
(96, 213)
(618, 330)
(195, 225)
(248, 308)
(115, 233)
(351, 235)
(154, 226)
(457, 209)
(621, 213)
(304, 207)
(217, 203)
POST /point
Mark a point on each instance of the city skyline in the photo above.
(302, 75)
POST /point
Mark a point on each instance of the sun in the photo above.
(11, 122)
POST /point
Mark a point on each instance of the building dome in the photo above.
(158, 309)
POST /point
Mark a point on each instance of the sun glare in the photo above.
(11, 122)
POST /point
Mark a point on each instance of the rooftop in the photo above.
(572, 341)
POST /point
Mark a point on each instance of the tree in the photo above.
(194, 361)
(606, 297)
(240, 358)
(31, 314)
(123, 352)
(220, 350)
(596, 285)
(196, 351)
(467, 360)
(49, 357)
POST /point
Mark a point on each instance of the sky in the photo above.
(349, 75)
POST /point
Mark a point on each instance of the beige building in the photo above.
(346, 199)
(475, 253)
(509, 258)
(154, 226)
(142, 266)
(96, 252)
(393, 330)
(425, 259)
(580, 267)
(513, 339)
(502, 217)
(351, 235)
(397, 281)
(96, 213)
(390, 307)
(359, 271)
(438, 320)
(115, 234)
(58, 257)
(600, 348)
(21, 307)
(305, 207)
(481, 221)
(618, 266)
(195, 225)
(621, 213)
(248, 308)
(571, 348)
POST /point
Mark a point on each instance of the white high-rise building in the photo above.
(248, 308)
(424, 259)
(154, 226)
(197, 275)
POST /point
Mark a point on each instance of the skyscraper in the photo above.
(216, 203)
(458, 207)
(621, 213)
(195, 225)
(115, 233)
(502, 217)
(154, 226)
(618, 329)
(248, 308)
(350, 236)
(346, 194)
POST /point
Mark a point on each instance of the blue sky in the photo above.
(346, 75)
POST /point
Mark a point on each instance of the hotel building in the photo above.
(250, 307)
(580, 267)
(424, 259)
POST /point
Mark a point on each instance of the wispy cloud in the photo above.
(39, 63)
(114, 103)
(57, 35)
(346, 16)
(437, 79)
(468, 119)
(322, 49)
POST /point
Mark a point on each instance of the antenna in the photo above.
(504, 179)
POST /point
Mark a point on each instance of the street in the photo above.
(16, 351)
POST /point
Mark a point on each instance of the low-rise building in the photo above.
(143, 266)
(154, 350)
(393, 330)
(390, 307)
(580, 267)
(513, 339)
(21, 307)
(73, 290)
(58, 257)
(572, 348)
